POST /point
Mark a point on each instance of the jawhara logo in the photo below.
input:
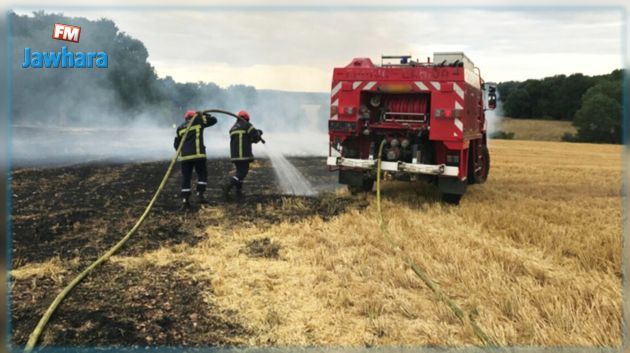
(64, 59)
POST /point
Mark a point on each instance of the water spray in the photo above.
(289, 177)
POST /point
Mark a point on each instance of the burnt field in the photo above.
(534, 254)
(64, 218)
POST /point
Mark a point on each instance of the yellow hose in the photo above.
(32, 340)
(483, 337)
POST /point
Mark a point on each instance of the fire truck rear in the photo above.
(431, 115)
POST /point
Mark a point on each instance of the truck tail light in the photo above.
(449, 113)
(442, 113)
(334, 110)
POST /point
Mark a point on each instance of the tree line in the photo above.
(592, 103)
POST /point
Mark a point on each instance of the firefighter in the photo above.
(193, 154)
(242, 135)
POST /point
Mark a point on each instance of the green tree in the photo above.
(555, 97)
(505, 88)
(599, 117)
(570, 95)
(518, 105)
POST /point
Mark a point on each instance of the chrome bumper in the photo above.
(431, 169)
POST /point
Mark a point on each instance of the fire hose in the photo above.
(32, 340)
(481, 335)
(230, 114)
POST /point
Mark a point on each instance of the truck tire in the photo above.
(452, 199)
(478, 168)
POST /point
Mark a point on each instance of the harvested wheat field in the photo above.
(536, 129)
(534, 255)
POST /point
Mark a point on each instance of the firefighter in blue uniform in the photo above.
(242, 135)
(193, 154)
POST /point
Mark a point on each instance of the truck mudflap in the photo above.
(414, 168)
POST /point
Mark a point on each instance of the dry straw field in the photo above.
(534, 254)
(536, 129)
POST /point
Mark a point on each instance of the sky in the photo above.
(297, 50)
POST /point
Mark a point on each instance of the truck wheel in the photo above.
(366, 186)
(452, 199)
(479, 166)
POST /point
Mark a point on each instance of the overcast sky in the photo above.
(296, 50)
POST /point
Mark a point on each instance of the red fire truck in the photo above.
(431, 115)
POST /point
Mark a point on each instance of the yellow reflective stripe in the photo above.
(241, 159)
(194, 127)
(197, 139)
(203, 118)
(250, 129)
(194, 156)
(198, 153)
(240, 145)
(240, 134)
(197, 129)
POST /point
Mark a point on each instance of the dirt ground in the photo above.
(66, 217)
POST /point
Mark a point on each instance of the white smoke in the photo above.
(494, 117)
(143, 139)
(46, 146)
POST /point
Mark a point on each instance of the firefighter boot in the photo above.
(239, 191)
(226, 188)
(202, 199)
(185, 203)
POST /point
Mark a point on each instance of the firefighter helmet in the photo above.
(189, 114)
(243, 114)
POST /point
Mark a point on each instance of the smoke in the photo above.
(301, 133)
(494, 117)
(291, 129)
(144, 140)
